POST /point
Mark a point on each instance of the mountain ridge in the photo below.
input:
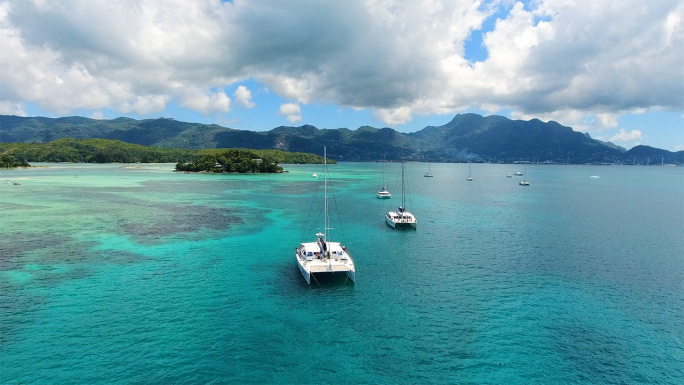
(465, 138)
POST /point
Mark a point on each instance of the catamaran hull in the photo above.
(305, 273)
(396, 225)
(308, 270)
(324, 276)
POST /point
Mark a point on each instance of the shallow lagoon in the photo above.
(137, 274)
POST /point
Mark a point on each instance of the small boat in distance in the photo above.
(323, 256)
(518, 173)
(509, 176)
(429, 173)
(595, 177)
(401, 218)
(469, 178)
(524, 182)
(383, 193)
(314, 175)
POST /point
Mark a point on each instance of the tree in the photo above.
(9, 161)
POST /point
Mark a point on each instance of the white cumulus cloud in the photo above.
(592, 60)
(98, 115)
(206, 103)
(292, 111)
(243, 97)
(626, 136)
(144, 104)
(399, 115)
(10, 108)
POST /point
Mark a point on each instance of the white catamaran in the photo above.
(401, 218)
(323, 256)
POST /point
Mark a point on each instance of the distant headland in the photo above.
(466, 138)
(114, 151)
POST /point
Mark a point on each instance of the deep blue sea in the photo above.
(134, 274)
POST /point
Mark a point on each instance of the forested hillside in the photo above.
(466, 138)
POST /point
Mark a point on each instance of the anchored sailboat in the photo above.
(383, 193)
(401, 218)
(524, 182)
(429, 173)
(323, 256)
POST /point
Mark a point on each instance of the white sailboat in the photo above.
(429, 173)
(323, 256)
(383, 193)
(469, 178)
(401, 218)
(524, 182)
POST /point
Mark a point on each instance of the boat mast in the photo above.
(403, 199)
(325, 195)
(383, 172)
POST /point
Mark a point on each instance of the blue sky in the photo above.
(612, 69)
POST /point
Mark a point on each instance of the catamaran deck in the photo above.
(324, 257)
(401, 219)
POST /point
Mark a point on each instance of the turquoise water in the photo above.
(135, 274)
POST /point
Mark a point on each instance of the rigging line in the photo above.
(408, 194)
(318, 220)
(331, 194)
(339, 218)
(391, 203)
(306, 224)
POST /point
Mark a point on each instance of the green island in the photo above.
(231, 161)
(114, 151)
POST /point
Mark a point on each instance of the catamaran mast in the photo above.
(383, 172)
(326, 223)
(403, 199)
(326, 230)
